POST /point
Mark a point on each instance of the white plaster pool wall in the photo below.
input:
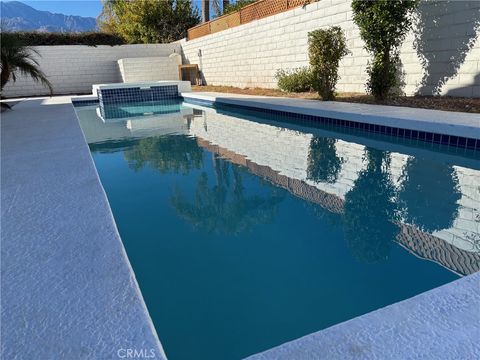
(250, 54)
(73, 69)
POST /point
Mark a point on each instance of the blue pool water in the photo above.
(246, 231)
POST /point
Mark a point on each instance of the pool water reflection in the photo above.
(245, 232)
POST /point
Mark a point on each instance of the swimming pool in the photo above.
(246, 229)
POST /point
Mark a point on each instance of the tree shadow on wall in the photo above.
(468, 90)
(441, 42)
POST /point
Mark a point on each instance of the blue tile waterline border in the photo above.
(137, 94)
(138, 109)
(89, 102)
(134, 94)
(428, 137)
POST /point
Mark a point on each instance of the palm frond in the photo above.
(217, 9)
(27, 68)
(15, 57)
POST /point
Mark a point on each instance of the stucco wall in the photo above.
(441, 54)
(73, 69)
(150, 68)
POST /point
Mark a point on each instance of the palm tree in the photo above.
(218, 9)
(205, 10)
(17, 58)
(227, 206)
(219, 6)
(173, 153)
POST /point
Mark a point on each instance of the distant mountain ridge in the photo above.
(17, 16)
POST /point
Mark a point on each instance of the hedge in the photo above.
(295, 80)
(50, 38)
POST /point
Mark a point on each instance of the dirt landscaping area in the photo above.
(425, 102)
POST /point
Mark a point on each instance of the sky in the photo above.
(72, 7)
(68, 7)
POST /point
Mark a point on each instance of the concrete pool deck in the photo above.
(436, 121)
(68, 291)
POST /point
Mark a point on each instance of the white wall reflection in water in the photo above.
(437, 202)
(435, 205)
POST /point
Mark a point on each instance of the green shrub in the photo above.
(326, 48)
(40, 38)
(296, 80)
(383, 26)
(237, 6)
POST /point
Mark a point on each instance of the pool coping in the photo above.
(437, 324)
(463, 157)
(433, 127)
(182, 85)
(383, 333)
(68, 289)
(412, 123)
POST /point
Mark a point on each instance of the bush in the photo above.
(296, 80)
(41, 38)
(385, 80)
(237, 6)
(326, 48)
(383, 26)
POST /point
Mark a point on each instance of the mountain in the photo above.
(16, 16)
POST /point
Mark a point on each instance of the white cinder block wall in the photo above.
(442, 53)
(150, 68)
(73, 69)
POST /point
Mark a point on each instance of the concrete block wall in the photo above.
(73, 69)
(150, 68)
(441, 55)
